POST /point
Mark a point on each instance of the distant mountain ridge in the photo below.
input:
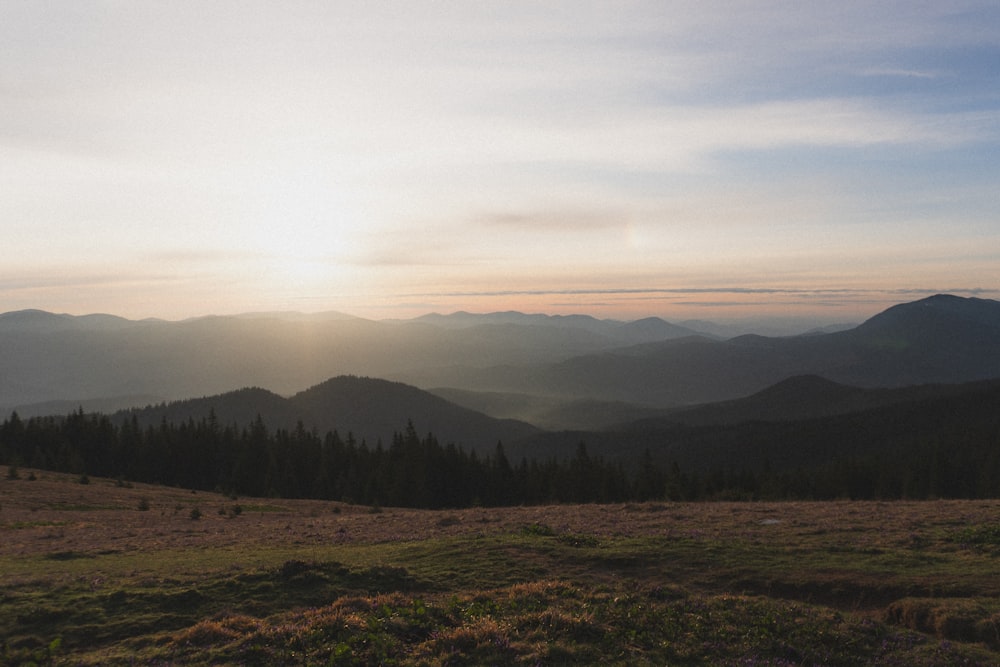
(935, 308)
(941, 339)
(576, 365)
(638, 331)
(48, 357)
(42, 321)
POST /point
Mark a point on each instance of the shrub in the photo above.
(579, 540)
(538, 530)
(232, 511)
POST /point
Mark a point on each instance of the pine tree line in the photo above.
(412, 471)
(415, 471)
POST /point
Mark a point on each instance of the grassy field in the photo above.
(110, 573)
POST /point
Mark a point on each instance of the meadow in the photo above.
(98, 571)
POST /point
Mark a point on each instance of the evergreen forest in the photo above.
(419, 471)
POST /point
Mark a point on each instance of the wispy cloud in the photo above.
(683, 291)
(900, 72)
(555, 220)
(360, 151)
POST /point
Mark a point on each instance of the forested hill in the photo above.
(927, 442)
(407, 471)
(370, 409)
(919, 442)
(808, 397)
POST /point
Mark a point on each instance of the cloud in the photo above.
(851, 293)
(555, 220)
(900, 72)
(74, 280)
(503, 143)
(201, 256)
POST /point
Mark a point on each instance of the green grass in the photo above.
(985, 537)
(536, 594)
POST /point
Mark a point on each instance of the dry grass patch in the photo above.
(105, 572)
(957, 619)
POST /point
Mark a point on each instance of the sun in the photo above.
(305, 264)
(306, 274)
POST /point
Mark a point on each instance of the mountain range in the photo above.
(557, 372)
(46, 358)
(941, 339)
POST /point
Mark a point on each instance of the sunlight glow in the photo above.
(339, 156)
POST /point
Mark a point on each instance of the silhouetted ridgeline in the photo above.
(940, 339)
(370, 408)
(555, 372)
(46, 357)
(915, 442)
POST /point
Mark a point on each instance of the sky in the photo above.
(700, 159)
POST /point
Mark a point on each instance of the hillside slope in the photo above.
(938, 438)
(368, 408)
(808, 397)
